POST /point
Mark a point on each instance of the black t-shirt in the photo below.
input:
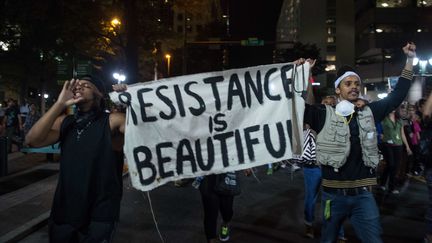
(90, 181)
(354, 168)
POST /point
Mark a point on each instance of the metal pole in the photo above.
(184, 66)
(3, 156)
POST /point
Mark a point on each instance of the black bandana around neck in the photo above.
(82, 119)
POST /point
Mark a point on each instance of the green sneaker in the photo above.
(224, 233)
(269, 171)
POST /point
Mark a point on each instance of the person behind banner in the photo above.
(348, 154)
(394, 141)
(86, 203)
(215, 200)
(425, 109)
(31, 118)
(13, 124)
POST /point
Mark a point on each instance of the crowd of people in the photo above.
(344, 136)
(16, 121)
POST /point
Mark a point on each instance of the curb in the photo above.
(15, 155)
(32, 225)
(26, 229)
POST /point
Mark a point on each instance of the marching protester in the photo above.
(13, 123)
(87, 199)
(394, 139)
(216, 199)
(414, 136)
(425, 107)
(348, 154)
(32, 117)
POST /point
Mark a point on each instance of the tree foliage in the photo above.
(300, 50)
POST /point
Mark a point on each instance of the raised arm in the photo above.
(46, 131)
(383, 107)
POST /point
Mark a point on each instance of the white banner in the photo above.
(211, 123)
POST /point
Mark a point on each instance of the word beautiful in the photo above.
(193, 154)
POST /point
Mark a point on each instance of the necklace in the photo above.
(80, 131)
(347, 121)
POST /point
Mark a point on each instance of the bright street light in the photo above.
(46, 96)
(168, 57)
(382, 95)
(119, 77)
(115, 22)
(422, 64)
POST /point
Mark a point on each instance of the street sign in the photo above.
(83, 67)
(64, 72)
(252, 42)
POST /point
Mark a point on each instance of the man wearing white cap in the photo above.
(347, 150)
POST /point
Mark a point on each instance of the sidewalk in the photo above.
(26, 194)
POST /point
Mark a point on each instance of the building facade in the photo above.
(327, 24)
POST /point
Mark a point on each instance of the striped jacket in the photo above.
(309, 147)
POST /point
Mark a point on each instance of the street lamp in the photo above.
(119, 77)
(422, 64)
(168, 57)
(115, 22)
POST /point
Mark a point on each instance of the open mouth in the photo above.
(77, 95)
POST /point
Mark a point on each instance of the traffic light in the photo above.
(225, 58)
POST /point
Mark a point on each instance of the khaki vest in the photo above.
(333, 142)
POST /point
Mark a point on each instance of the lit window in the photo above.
(393, 4)
(331, 67)
(330, 39)
(331, 58)
(424, 3)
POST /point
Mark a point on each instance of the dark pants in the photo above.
(97, 232)
(212, 204)
(10, 133)
(362, 211)
(428, 216)
(392, 157)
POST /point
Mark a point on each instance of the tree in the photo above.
(300, 50)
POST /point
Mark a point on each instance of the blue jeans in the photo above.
(362, 211)
(312, 181)
(428, 216)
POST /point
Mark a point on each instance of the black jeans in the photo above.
(212, 204)
(94, 232)
(392, 157)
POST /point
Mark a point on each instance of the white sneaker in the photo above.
(295, 167)
(395, 192)
(382, 188)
